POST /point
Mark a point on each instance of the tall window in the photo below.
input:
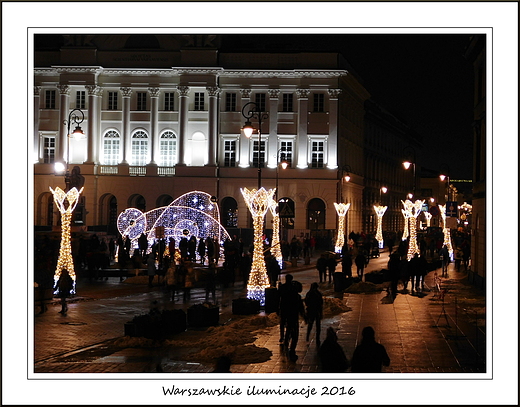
(319, 102)
(287, 102)
(258, 153)
(139, 148)
(111, 148)
(168, 149)
(112, 100)
(49, 149)
(317, 154)
(230, 153)
(199, 101)
(141, 100)
(286, 152)
(80, 99)
(168, 101)
(260, 101)
(50, 99)
(231, 102)
(316, 214)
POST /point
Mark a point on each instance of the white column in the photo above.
(64, 117)
(154, 123)
(183, 122)
(243, 160)
(125, 136)
(332, 142)
(213, 93)
(302, 141)
(273, 128)
(92, 129)
(36, 123)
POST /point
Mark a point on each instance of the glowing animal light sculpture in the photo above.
(66, 203)
(276, 250)
(341, 210)
(412, 210)
(258, 202)
(380, 211)
(193, 212)
(446, 231)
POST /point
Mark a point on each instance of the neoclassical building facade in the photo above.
(166, 120)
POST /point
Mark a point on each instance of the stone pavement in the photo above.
(422, 333)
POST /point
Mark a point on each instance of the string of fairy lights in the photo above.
(258, 202)
(66, 203)
(276, 249)
(341, 209)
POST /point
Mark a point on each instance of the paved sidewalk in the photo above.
(422, 333)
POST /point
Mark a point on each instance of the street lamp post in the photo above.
(446, 176)
(407, 164)
(77, 117)
(249, 111)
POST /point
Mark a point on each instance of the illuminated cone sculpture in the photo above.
(342, 210)
(380, 211)
(428, 217)
(276, 250)
(413, 210)
(258, 202)
(446, 231)
(66, 203)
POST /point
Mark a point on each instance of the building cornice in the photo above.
(285, 73)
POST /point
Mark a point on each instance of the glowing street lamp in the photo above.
(410, 162)
(258, 202)
(248, 129)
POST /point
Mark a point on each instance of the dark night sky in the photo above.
(422, 79)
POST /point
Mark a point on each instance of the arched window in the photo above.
(168, 149)
(111, 147)
(164, 200)
(229, 212)
(316, 214)
(139, 148)
(137, 201)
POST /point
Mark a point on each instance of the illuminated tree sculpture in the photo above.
(446, 231)
(342, 210)
(258, 202)
(380, 211)
(428, 217)
(66, 203)
(276, 250)
(413, 210)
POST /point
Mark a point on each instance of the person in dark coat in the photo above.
(65, 285)
(321, 265)
(369, 356)
(331, 354)
(331, 266)
(201, 249)
(346, 264)
(360, 264)
(211, 282)
(284, 297)
(314, 311)
(394, 269)
(293, 309)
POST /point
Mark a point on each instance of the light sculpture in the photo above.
(428, 217)
(413, 210)
(66, 203)
(276, 250)
(341, 209)
(380, 211)
(194, 211)
(446, 231)
(258, 202)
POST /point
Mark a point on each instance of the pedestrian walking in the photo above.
(314, 311)
(171, 280)
(211, 282)
(458, 258)
(444, 255)
(360, 264)
(331, 266)
(65, 285)
(331, 354)
(293, 310)
(201, 249)
(189, 280)
(151, 270)
(346, 264)
(394, 267)
(284, 297)
(321, 266)
(369, 356)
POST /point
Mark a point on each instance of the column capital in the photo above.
(303, 93)
(334, 93)
(64, 89)
(246, 93)
(213, 91)
(93, 90)
(274, 93)
(183, 90)
(37, 90)
(126, 92)
(154, 92)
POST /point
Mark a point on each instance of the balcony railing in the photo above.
(138, 171)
